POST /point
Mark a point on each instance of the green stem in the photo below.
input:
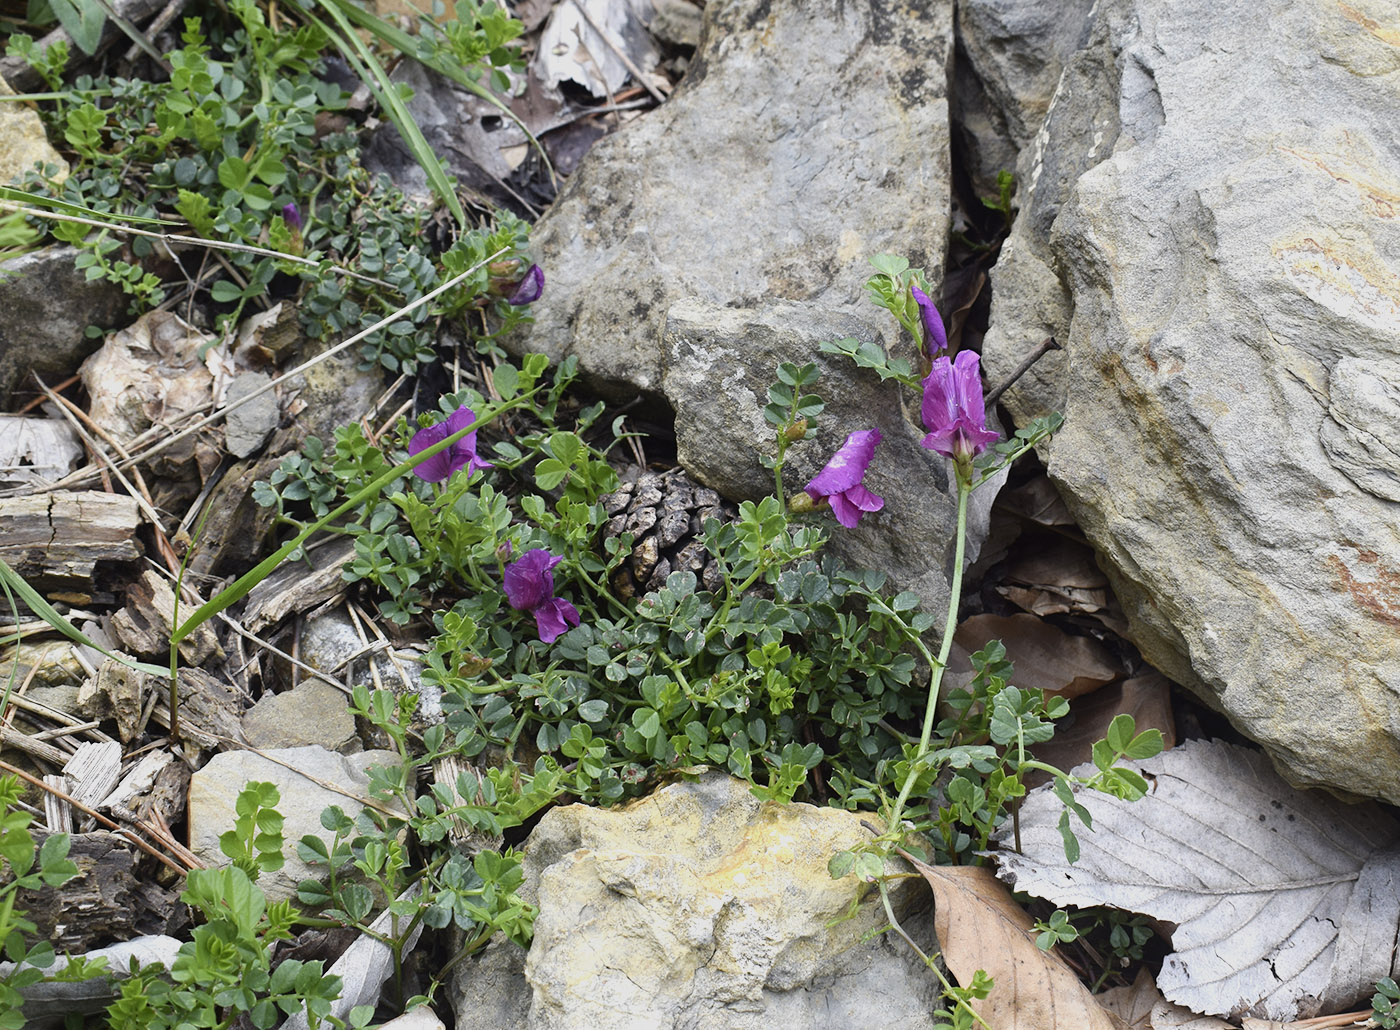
(936, 675)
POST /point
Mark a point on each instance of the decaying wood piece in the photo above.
(58, 814)
(64, 535)
(120, 692)
(144, 625)
(211, 711)
(33, 748)
(138, 782)
(35, 451)
(108, 901)
(91, 773)
(295, 588)
(448, 771)
(236, 530)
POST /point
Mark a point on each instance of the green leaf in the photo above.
(1120, 732)
(82, 20)
(1147, 744)
(225, 291)
(567, 447)
(890, 264)
(595, 710)
(549, 473)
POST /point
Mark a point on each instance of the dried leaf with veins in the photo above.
(1286, 903)
(979, 926)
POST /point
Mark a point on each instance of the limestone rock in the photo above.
(702, 907)
(1211, 232)
(807, 136)
(214, 789)
(248, 426)
(23, 141)
(331, 644)
(48, 304)
(312, 712)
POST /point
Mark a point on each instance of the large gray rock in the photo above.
(309, 780)
(47, 305)
(1211, 232)
(807, 136)
(702, 907)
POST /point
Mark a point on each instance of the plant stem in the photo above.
(936, 674)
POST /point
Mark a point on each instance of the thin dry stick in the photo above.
(621, 56)
(39, 400)
(77, 417)
(16, 695)
(1042, 348)
(197, 241)
(327, 784)
(114, 827)
(388, 647)
(67, 731)
(247, 635)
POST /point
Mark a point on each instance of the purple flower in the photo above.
(953, 412)
(553, 619)
(447, 461)
(528, 290)
(291, 214)
(935, 339)
(841, 482)
(529, 587)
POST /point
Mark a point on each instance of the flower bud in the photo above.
(795, 432)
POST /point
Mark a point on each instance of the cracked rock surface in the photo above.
(1208, 225)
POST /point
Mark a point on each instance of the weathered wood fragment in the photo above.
(296, 588)
(144, 625)
(92, 773)
(64, 535)
(107, 901)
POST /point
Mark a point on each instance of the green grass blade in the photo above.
(368, 68)
(12, 580)
(408, 46)
(10, 195)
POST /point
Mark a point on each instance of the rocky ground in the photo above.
(1201, 218)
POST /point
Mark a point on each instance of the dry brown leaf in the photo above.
(1133, 1004)
(979, 926)
(1147, 698)
(1168, 1015)
(1055, 576)
(1046, 658)
(1142, 1007)
(1037, 501)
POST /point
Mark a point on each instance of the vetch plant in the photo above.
(461, 454)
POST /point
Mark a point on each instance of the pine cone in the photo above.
(665, 512)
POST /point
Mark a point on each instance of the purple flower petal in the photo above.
(529, 583)
(851, 504)
(528, 290)
(553, 619)
(460, 454)
(935, 339)
(841, 480)
(953, 412)
(291, 214)
(847, 466)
